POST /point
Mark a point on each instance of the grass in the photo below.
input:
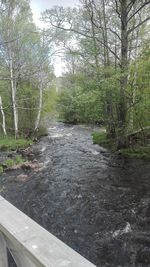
(8, 163)
(19, 159)
(9, 143)
(138, 151)
(101, 139)
(11, 162)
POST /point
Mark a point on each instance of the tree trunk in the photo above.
(105, 37)
(109, 104)
(122, 108)
(131, 119)
(37, 122)
(13, 96)
(3, 117)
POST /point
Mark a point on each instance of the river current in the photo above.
(94, 201)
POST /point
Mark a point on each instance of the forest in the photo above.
(105, 47)
(75, 145)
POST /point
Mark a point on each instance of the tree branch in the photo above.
(87, 36)
(117, 9)
(130, 5)
(138, 25)
(140, 8)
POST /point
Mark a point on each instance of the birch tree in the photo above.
(24, 56)
(3, 117)
(12, 27)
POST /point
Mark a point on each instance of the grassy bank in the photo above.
(138, 151)
(10, 162)
(101, 139)
(142, 152)
(9, 143)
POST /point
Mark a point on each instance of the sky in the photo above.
(39, 6)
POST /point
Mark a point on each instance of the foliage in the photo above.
(78, 104)
(142, 89)
(10, 143)
(139, 152)
(105, 43)
(27, 96)
(106, 79)
(50, 98)
(25, 69)
(101, 139)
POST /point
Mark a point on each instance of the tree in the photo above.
(15, 22)
(108, 30)
(3, 117)
(25, 64)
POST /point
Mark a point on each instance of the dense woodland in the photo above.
(26, 72)
(106, 81)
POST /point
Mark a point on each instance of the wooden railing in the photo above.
(31, 245)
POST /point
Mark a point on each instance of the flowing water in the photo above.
(97, 203)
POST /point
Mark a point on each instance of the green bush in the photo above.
(78, 106)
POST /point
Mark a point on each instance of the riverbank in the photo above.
(9, 152)
(136, 151)
(15, 152)
(10, 143)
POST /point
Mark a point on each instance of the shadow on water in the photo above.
(97, 203)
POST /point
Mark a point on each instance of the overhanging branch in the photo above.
(138, 25)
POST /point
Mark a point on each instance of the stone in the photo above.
(22, 177)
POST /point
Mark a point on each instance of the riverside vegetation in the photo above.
(105, 46)
(107, 82)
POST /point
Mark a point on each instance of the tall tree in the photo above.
(111, 25)
(25, 62)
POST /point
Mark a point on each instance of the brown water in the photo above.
(97, 203)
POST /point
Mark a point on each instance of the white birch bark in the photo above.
(3, 117)
(37, 122)
(13, 95)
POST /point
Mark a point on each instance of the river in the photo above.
(94, 201)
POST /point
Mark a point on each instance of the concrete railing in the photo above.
(31, 245)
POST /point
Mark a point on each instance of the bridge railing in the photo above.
(31, 245)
